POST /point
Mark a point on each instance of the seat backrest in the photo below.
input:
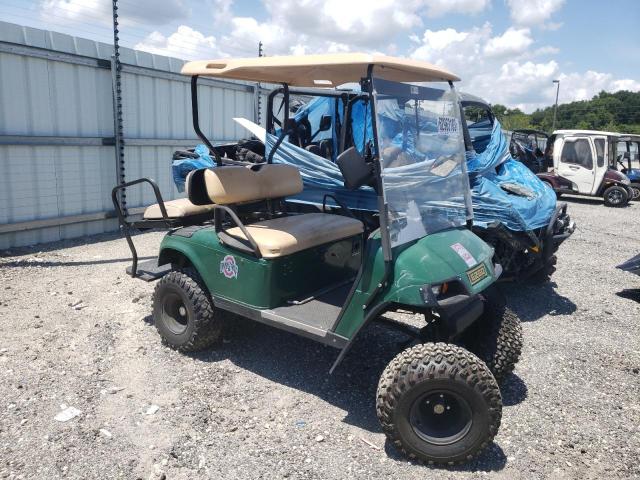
(236, 184)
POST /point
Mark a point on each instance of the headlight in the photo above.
(431, 293)
(439, 289)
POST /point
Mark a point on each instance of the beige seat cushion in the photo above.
(234, 184)
(181, 207)
(286, 235)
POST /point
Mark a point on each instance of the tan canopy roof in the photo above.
(318, 70)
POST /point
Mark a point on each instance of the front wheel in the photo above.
(439, 403)
(616, 196)
(635, 190)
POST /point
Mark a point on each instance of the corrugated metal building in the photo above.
(57, 156)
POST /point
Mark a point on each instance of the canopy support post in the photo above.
(196, 120)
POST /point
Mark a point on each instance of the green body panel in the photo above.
(265, 283)
(430, 260)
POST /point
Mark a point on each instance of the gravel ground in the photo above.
(77, 332)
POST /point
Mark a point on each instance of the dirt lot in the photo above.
(75, 331)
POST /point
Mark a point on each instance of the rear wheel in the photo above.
(439, 403)
(635, 189)
(496, 337)
(183, 312)
(616, 196)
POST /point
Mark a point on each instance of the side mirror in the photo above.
(325, 123)
(356, 171)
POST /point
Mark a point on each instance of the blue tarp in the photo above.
(320, 177)
(492, 173)
(503, 189)
(181, 168)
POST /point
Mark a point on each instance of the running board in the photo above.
(149, 270)
(274, 318)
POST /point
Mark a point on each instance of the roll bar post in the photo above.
(196, 120)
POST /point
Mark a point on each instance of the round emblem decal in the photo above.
(228, 267)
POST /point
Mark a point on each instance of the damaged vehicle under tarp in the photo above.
(512, 209)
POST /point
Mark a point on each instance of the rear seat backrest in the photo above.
(235, 184)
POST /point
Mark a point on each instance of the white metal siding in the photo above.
(51, 97)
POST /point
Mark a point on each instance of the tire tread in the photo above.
(207, 328)
(435, 361)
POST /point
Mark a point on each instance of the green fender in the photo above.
(430, 260)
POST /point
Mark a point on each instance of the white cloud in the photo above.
(534, 13)
(458, 51)
(438, 8)
(359, 23)
(512, 42)
(503, 69)
(149, 12)
(507, 67)
(336, 25)
(443, 38)
(246, 32)
(583, 86)
(546, 50)
(185, 43)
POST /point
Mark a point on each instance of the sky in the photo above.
(506, 51)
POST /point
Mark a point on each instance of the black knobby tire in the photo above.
(183, 312)
(496, 337)
(616, 196)
(543, 275)
(635, 188)
(432, 370)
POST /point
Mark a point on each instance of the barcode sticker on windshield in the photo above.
(447, 125)
(464, 254)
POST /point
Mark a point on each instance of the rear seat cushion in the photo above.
(286, 235)
(179, 208)
(235, 184)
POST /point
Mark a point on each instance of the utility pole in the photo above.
(555, 109)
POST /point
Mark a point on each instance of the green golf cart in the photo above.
(325, 275)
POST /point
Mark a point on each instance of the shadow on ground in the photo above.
(303, 364)
(492, 459)
(70, 243)
(583, 200)
(513, 390)
(630, 294)
(532, 302)
(53, 263)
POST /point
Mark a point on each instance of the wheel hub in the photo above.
(615, 197)
(175, 314)
(441, 418)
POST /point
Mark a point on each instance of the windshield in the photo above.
(424, 176)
